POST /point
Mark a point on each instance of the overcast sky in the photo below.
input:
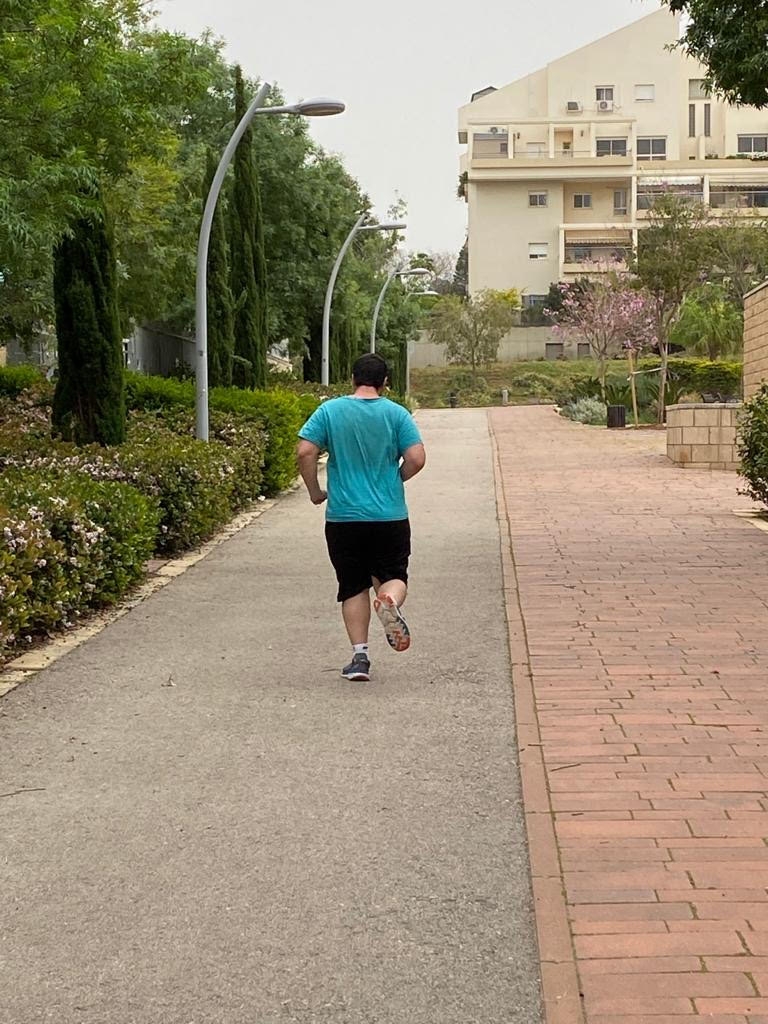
(403, 68)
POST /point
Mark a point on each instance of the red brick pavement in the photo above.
(638, 610)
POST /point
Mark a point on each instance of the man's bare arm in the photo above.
(414, 460)
(308, 454)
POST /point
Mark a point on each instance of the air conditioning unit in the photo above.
(573, 107)
(605, 106)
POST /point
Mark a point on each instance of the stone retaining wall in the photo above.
(755, 339)
(703, 436)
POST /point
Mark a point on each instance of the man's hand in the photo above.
(308, 454)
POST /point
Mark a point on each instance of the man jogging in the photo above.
(373, 446)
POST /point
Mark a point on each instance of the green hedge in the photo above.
(15, 379)
(753, 446)
(68, 544)
(278, 411)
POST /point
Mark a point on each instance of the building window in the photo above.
(538, 250)
(708, 119)
(537, 198)
(691, 120)
(583, 350)
(652, 149)
(753, 144)
(604, 93)
(697, 89)
(582, 201)
(611, 147)
(554, 350)
(645, 93)
(620, 201)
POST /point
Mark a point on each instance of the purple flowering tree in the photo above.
(611, 316)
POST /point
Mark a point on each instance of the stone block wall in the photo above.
(703, 436)
(755, 339)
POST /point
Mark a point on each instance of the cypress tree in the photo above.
(89, 402)
(249, 276)
(221, 313)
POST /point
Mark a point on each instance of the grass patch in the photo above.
(525, 381)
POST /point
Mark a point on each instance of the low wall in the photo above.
(522, 343)
(703, 436)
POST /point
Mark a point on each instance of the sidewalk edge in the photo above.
(559, 976)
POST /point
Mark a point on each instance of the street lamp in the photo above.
(320, 107)
(397, 272)
(359, 226)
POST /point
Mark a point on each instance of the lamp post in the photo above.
(320, 107)
(358, 227)
(398, 272)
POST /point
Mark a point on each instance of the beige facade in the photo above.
(562, 166)
(755, 340)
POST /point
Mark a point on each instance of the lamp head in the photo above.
(321, 106)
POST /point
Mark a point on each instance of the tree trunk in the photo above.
(664, 353)
(633, 385)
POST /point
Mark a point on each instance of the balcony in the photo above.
(738, 197)
(597, 254)
(495, 148)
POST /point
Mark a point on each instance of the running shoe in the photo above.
(358, 670)
(395, 626)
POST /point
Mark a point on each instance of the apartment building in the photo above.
(561, 167)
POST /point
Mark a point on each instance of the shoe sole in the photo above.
(395, 627)
(357, 677)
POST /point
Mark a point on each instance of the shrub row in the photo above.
(694, 377)
(196, 487)
(68, 544)
(279, 412)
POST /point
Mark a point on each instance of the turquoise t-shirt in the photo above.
(365, 439)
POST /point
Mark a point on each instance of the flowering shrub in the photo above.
(67, 544)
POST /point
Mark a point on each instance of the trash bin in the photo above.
(617, 417)
(453, 399)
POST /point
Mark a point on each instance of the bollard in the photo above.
(504, 396)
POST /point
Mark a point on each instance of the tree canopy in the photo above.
(96, 99)
(730, 40)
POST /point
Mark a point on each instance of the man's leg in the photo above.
(396, 589)
(356, 612)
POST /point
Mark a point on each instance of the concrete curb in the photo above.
(756, 519)
(160, 574)
(559, 976)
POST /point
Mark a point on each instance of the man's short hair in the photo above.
(370, 371)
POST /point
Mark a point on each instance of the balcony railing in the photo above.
(487, 146)
(600, 254)
(725, 198)
(646, 200)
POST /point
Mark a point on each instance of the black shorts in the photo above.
(360, 551)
